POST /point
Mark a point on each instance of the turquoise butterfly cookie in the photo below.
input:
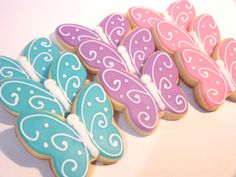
(71, 144)
(66, 77)
(35, 63)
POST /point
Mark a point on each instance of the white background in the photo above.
(199, 145)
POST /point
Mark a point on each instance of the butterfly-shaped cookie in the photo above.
(180, 13)
(144, 100)
(213, 80)
(71, 144)
(130, 55)
(37, 58)
(111, 30)
(66, 77)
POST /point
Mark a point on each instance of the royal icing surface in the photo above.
(41, 53)
(10, 68)
(23, 95)
(111, 30)
(94, 109)
(69, 74)
(207, 33)
(50, 136)
(180, 13)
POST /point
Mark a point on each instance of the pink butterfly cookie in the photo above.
(111, 30)
(144, 100)
(180, 13)
(212, 80)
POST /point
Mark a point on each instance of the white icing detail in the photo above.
(73, 121)
(167, 16)
(53, 111)
(79, 153)
(146, 79)
(66, 63)
(52, 87)
(101, 137)
(101, 34)
(31, 92)
(105, 109)
(46, 125)
(43, 68)
(89, 104)
(45, 145)
(226, 74)
(18, 89)
(29, 69)
(124, 54)
(121, 96)
(35, 48)
(199, 44)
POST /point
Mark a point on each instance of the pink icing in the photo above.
(200, 67)
(207, 32)
(182, 13)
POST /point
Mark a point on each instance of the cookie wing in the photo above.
(143, 17)
(41, 53)
(139, 45)
(207, 33)
(69, 74)
(129, 95)
(202, 73)
(171, 37)
(48, 136)
(115, 27)
(23, 95)
(97, 55)
(182, 13)
(95, 111)
(164, 75)
(10, 68)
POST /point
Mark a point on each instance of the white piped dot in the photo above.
(121, 96)
(203, 26)
(126, 80)
(66, 63)
(46, 125)
(73, 38)
(117, 40)
(147, 107)
(31, 92)
(76, 29)
(79, 153)
(64, 76)
(112, 22)
(122, 24)
(53, 111)
(49, 50)
(101, 48)
(45, 145)
(160, 69)
(231, 54)
(74, 94)
(35, 48)
(176, 31)
(136, 42)
(43, 68)
(101, 137)
(89, 104)
(98, 61)
(146, 12)
(170, 76)
(18, 89)
(217, 83)
(105, 109)
(144, 21)
(177, 7)
(193, 67)
(145, 48)
(169, 96)
(173, 44)
(200, 60)
(182, 26)
(141, 65)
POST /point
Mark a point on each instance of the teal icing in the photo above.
(48, 135)
(95, 110)
(23, 95)
(41, 53)
(69, 74)
(10, 68)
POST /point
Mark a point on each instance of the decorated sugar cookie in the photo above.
(180, 13)
(71, 144)
(212, 80)
(204, 35)
(66, 76)
(38, 56)
(144, 100)
(130, 55)
(111, 31)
